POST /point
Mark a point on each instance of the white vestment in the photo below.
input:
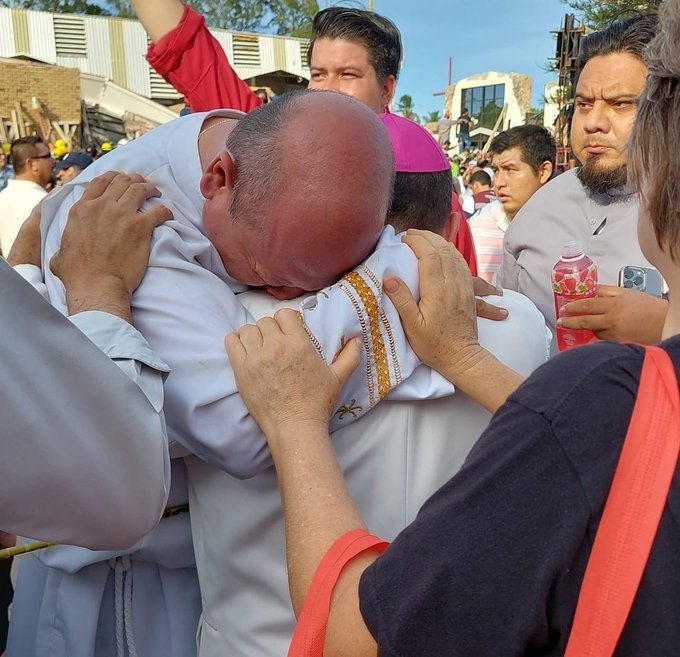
(393, 459)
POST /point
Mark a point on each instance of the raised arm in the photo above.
(158, 17)
(189, 57)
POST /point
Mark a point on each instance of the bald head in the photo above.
(313, 181)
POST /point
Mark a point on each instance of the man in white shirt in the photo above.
(34, 169)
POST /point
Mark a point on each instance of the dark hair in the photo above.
(654, 163)
(421, 200)
(481, 177)
(253, 144)
(630, 35)
(535, 143)
(22, 150)
(379, 35)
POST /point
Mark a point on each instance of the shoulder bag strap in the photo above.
(310, 632)
(632, 512)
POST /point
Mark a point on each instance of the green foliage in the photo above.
(432, 117)
(597, 14)
(58, 6)
(405, 108)
(237, 15)
(285, 17)
(292, 17)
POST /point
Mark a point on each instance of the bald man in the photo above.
(287, 161)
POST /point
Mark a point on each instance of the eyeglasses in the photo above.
(41, 157)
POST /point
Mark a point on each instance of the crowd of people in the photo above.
(250, 337)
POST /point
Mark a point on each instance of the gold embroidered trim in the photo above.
(373, 312)
(349, 292)
(387, 327)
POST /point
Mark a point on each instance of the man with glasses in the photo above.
(34, 171)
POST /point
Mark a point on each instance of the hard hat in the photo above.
(6, 149)
(59, 149)
(107, 146)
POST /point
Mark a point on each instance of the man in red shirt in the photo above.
(352, 51)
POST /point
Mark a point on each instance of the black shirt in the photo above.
(493, 564)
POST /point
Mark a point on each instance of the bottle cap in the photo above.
(572, 249)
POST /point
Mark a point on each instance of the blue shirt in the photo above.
(7, 173)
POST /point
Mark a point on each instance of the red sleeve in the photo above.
(463, 240)
(193, 61)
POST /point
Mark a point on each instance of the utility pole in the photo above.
(370, 5)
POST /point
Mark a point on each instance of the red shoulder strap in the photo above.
(310, 632)
(632, 512)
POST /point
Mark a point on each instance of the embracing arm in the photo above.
(86, 459)
(442, 326)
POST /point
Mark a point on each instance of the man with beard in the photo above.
(593, 204)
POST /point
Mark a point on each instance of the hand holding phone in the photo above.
(642, 279)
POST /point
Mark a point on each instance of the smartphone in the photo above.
(642, 279)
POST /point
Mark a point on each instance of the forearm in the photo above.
(317, 506)
(481, 376)
(158, 17)
(106, 294)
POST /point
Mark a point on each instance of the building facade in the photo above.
(494, 100)
(112, 50)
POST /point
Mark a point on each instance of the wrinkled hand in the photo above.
(618, 314)
(281, 377)
(26, 247)
(105, 246)
(442, 327)
(485, 309)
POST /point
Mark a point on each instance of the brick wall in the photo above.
(57, 89)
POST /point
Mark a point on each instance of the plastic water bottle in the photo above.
(574, 277)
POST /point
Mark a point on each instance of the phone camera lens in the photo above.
(628, 284)
(638, 280)
(628, 273)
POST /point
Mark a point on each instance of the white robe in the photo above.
(393, 459)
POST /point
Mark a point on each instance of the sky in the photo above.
(509, 36)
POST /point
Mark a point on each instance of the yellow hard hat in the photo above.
(6, 149)
(107, 146)
(60, 149)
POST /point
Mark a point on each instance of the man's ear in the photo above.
(545, 172)
(221, 172)
(450, 228)
(389, 87)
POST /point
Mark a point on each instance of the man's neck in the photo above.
(27, 177)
